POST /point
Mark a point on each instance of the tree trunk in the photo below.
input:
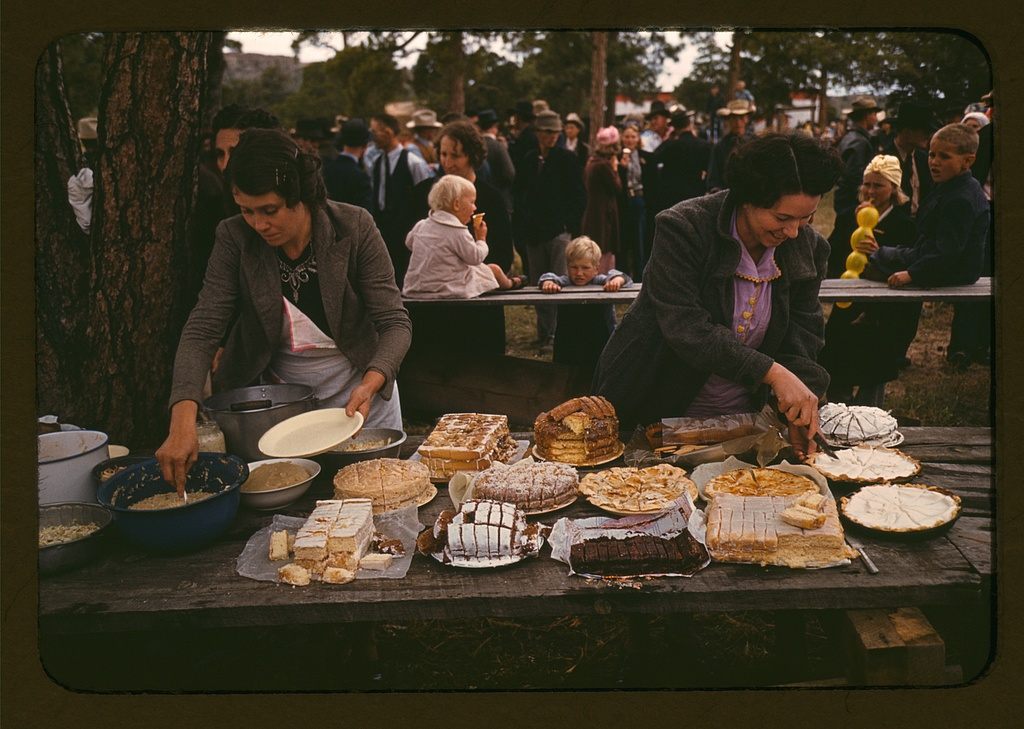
(598, 68)
(735, 64)
(457, 82)
(611, 82)
(150, 114)
(823, 101)
(63, 260)
(215, 66)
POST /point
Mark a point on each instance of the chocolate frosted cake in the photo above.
(637, 555)
(581, 430)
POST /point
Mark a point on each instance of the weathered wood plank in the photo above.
(894, 647)
(831, 290)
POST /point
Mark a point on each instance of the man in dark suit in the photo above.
(344, 176)
(913, 125)
(549, 205)
(682, 163)
(500, 170)
(856, 149)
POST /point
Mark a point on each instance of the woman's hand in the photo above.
(796, 401)
(181, 449)
(614, 283)
(550, 287)
(802, 439)
(363, 393)
(900, 278)
(867, 245)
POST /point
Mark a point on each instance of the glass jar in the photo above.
(210, 437)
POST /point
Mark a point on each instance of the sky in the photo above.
(279, 44)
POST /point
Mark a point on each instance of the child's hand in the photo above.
(900, 278)
(550, 287)
(867, 244)
(479, 229)
(614, 283)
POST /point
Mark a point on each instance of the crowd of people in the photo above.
(712, 215)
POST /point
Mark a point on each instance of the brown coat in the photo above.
(242, 288)
(601, 217)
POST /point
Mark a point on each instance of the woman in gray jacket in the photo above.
(729, 308)
(304, 290)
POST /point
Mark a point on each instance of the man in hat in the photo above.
(571, 140)
(735, 116)
(913, 125)
(344, 177)
(394, 174)
(501, 172)
(424, 126)
(524, 141)
(657, 130)
(682, 163)
(549, 202)
(856, 150)
(715, 101)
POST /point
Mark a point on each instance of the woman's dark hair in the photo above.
(268, 160)
(769, 166)
(235, 116)
(465, 133)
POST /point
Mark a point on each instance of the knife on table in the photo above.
(863, 555)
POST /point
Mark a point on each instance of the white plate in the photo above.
(116, 451)
(310, 433)
(489, 564)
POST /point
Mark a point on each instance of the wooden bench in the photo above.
(831, 290)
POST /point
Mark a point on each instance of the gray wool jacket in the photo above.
(242, 289)
(678, 331)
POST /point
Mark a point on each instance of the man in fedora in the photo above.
(735, 116)
(524, 140)
(344, 177)
(682, 163)
(913, 124)
(856, 150)
(424, 125)
(657, 130)
(549, 202)
(500, 170)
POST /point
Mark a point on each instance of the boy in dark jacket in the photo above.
(952, 222)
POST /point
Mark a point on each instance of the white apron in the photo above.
(309, 357)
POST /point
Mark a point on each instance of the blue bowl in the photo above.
(180, 528)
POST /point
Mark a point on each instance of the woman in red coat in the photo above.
(604, 188)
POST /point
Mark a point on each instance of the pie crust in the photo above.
(637, 490)
(901, 508)
(759, 482)
(866, 464)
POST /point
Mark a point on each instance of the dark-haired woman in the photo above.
(304, 288)
(729, 308)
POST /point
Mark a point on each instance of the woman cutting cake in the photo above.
(729, 312)
(303, 288)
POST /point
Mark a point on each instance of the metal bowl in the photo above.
(77, 552)
(334, 460)
(179, 528)
(280, 497)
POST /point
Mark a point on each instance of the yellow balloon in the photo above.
(867, 217)
(850, 274)
(856, 262)
(858, 235)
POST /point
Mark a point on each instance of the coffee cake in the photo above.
(389, 483)
(532, 486)
(466, 442)
(581, 430)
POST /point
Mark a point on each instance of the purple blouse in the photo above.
(752, 310)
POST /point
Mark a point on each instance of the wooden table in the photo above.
(831, 290)
(128, 590)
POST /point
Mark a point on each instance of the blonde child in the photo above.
(583, 329)
(446, 261)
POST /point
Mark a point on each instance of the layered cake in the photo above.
(759, 482)
(637, 490)
(579, 431)
(900, 509)
(483, 533)
(331, 542)
(865, 464)
(389, 483)
(849, 425)
(751, 529)
(466, 442)
(641, 554)
(532, 486)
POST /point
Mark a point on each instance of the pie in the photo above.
(579, 431)
(849, 425)
(389, 483)
(902, 508)
(759, 482)
(865, 464)
(531, 485)
(637, 490)
(466, 442)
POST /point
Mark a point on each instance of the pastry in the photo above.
(902, 508)
(334, 537)
(637, 490)
(532, 486)
(849, 425)
(865, 464)
(466, 442)
(483, 533)
(389, 483)
(759, 482)
(278, 546)
(641, 554)
(293, 574)
(581, 430)
(750, 529)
